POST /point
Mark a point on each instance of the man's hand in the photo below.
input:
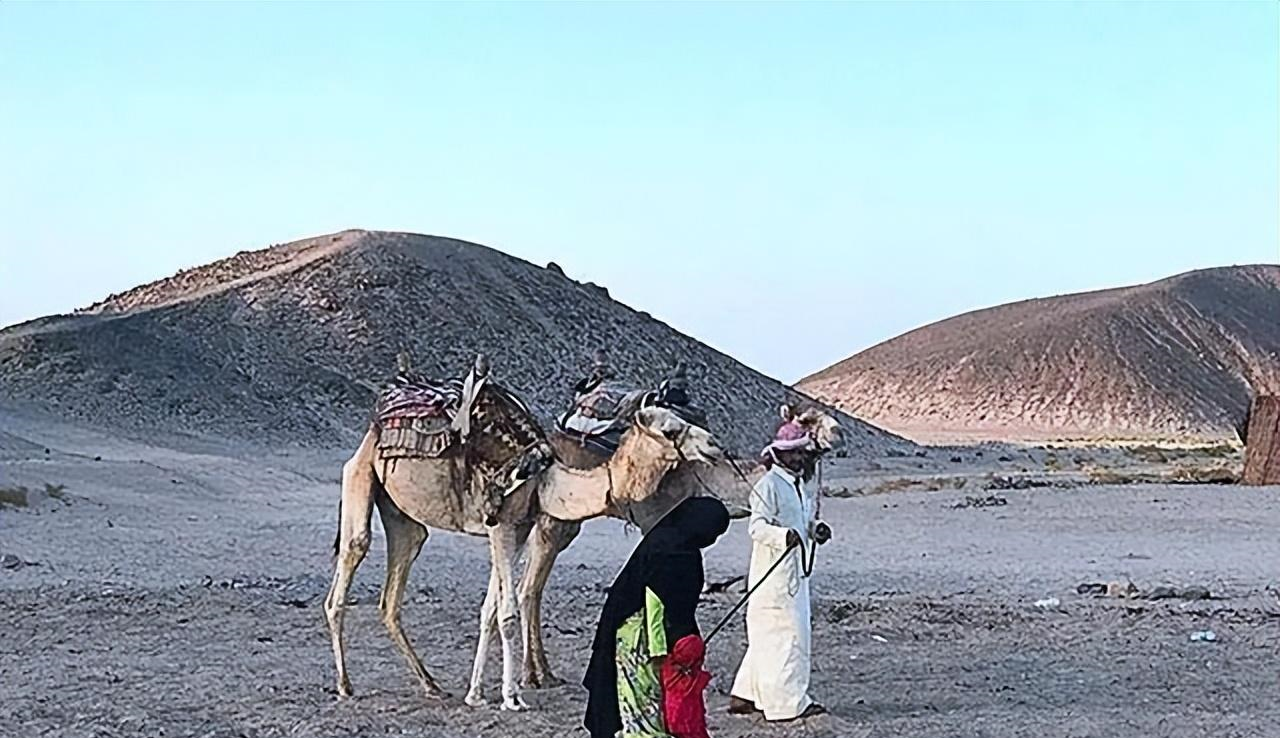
(821, 533)
(793, 539)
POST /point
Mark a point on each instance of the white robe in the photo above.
(775, 670)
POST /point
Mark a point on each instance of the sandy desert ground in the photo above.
(155, 591)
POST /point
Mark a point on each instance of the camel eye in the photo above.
(671, 432)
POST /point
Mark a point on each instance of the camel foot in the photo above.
(474, 698)
(545, 680)
(514, 704)
(344, 689)
(434, 692)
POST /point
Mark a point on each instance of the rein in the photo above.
(725, 620)
(612, 501)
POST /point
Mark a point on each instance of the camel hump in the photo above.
(578, 453)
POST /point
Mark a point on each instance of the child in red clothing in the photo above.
(683, 682)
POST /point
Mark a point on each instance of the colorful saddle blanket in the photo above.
(420, 398)
(416, 415)
(603, 409)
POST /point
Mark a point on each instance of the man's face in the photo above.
(800, 462)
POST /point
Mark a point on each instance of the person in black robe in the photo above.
(668, 563)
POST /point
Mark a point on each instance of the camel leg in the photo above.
(359, 486)
(404, 540)
(550, 538)
(488, 625)
(504, 550)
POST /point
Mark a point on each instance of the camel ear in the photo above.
(786, 412)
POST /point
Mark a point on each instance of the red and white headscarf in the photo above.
(791, 436)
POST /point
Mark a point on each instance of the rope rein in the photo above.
(612, 501)
(724, 620)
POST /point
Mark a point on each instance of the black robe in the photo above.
(669, 562)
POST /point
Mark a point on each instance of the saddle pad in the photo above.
(419, 398)
(578, 452)
(416, 438)
(608, 402)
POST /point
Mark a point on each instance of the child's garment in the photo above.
(683, 684)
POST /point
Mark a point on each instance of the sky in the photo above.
(790, 183)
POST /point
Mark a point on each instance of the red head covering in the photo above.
(683, 682)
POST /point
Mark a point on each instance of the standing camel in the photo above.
(413, 495)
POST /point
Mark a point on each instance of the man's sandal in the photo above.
(812, 711)
(739, 706)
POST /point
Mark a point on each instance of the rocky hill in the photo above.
(1174, 359)
(285, 345)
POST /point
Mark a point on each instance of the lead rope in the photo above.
(610, 500)
(724, 620)
(807, 566)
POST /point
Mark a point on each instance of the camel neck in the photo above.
(634, 481)
(631, 474)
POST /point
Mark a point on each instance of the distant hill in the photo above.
(1174, 359)
(285, 345)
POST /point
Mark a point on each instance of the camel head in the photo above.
(675, 438)
(823, 429)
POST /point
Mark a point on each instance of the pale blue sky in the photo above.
(788, 182)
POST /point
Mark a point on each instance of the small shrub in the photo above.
(1204, 475)
(13, 496)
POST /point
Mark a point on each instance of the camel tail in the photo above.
(337, 536)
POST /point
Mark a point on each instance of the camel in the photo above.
(413, 495)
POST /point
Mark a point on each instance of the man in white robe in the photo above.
(774, 676)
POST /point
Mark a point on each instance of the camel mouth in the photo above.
(706, 451)
(834, 442)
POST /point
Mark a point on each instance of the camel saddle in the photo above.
(487, 425)
(589, 433)
(415, 417)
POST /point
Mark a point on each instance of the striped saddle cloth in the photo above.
(415, 416)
